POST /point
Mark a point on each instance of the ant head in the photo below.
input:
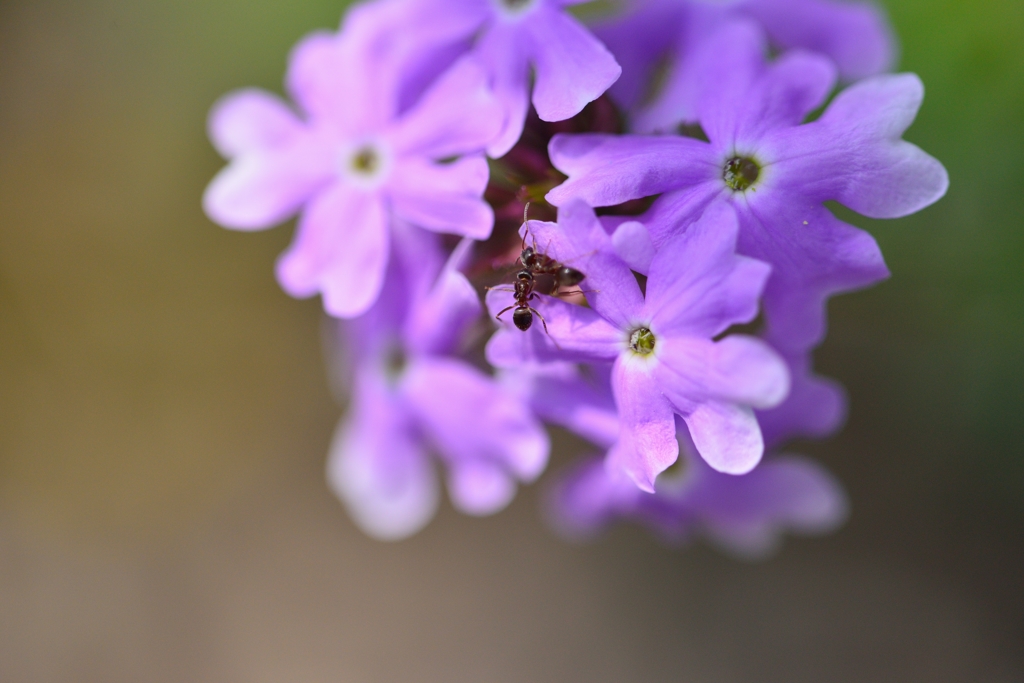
(523, 318)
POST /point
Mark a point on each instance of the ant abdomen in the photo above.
(568, 277)
(522, 318)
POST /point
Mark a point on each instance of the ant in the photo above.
(534, 263)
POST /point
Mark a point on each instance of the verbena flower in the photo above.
(659, 42)
(774, 172)
(412, 399)
(513, 38)
(353, 161)
(661, 342)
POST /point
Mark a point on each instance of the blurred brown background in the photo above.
(164, 414)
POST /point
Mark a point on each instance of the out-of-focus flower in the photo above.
(661, 69)
(775, 172)
(411, 398)
(661, 343)
(511, 38)
(353, 162)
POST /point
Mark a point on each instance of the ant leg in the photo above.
(578, 291)
(503, 311)
(499, 288)
(545, 324)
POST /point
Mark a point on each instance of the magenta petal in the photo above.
(605, 170)
(573, 67)
(264, 187)
(480, 488)
(738, 369)
(697, 283)
(443, 197)
(502, 430)
(727, 436)
(457, 115)
(249, 120)
(378, 468)
(340, 250)
(647, 437)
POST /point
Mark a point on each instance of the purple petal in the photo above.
(647, 438)
(502, 431)
(439, 320)
(726, 436)
(249, 120)
(697, 284)
(815, 406)
(573, 67)
(378, 469)
(573, 333)
(443, 197)
(855, 35)
(605, 170)
(738, 369)
(854, 153)
(457, 115)
(340, 250)
(580, 241)
(632, 243)
(500, 50)
(480, 488)
(265, 187)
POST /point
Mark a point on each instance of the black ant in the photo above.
(534, 263)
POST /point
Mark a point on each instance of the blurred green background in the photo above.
(164, 414)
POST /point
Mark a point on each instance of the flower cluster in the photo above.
(679, 156)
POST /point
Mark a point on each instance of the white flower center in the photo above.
(366, 164)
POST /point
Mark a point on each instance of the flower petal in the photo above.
(647, 438)
(457, 115)
(633, 245)
(249, 120)
(573, 67)
(698, 285)
(443, 197)
(501, 52)
(815, 406)
(379, 470)
(726, 436)
(502, 431)
(605, 170)
(340, 250)
(738, 369)
(263, 188)
(480, 488)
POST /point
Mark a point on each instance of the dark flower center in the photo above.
(740, 173)
(394, 363)
(515, 4)
(642, 341)
(366, 161)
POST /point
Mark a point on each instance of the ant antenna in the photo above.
(526, 212)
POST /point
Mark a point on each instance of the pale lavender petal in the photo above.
(573, 68)
(632, 243)
(738, 369)
(500, 50)
(672, 212)
(340, 250)
(313, 74)
(605, 170)
(249, 120)
(854, 153)
(443, 393)
(478, 487)
(856, 35)
(573, 333)
(263, 188)
(726, 435)
(647, 438)
(457, 115)
(698, 285)
(378, 468)
(443, 197)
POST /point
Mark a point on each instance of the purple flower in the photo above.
(661, 344)
(510, 37)
(745, 515)
(411, 398)
(354, 161)
(774, 172)
(669, 36)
